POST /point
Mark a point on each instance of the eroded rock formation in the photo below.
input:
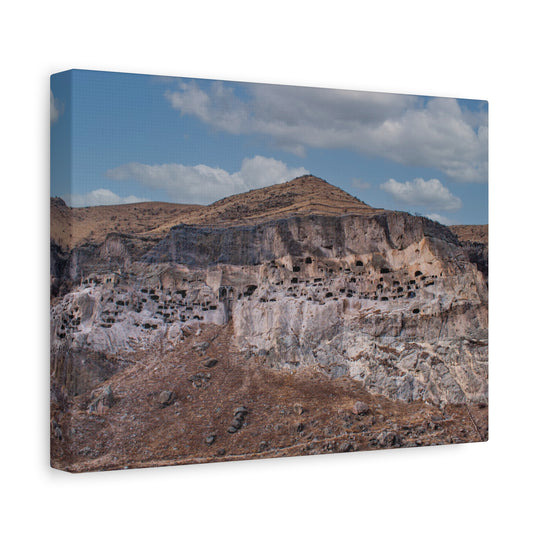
(393, 301)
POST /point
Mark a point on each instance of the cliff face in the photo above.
(389, 299)
(326, 237)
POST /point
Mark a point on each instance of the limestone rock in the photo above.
(394, 301)
(166, 398)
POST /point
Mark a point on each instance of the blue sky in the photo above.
(140, 137)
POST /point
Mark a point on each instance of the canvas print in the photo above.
(243, 271)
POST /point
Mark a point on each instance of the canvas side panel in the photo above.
(61, 235)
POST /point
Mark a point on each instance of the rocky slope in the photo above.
(471, 233)
(305, 280)
(73, 227)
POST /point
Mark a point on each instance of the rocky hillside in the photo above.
(306, 283)
(471, 233)
(72, 227)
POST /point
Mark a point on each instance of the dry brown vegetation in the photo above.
(471, 233)
(288, 414)
(71, 227)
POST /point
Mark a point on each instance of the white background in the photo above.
(461, 49)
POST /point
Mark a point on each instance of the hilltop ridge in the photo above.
(304, 195)
(301, 196)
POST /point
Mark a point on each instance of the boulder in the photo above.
(166, 397)
(298, 409)
(237, 423)
(210, 363)
(360, 408)
(102, 400)
(389, 439)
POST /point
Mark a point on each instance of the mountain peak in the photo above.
(307, 179)
(303, 195)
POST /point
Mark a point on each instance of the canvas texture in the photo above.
(244, 271)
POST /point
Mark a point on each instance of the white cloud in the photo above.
(57, 108)
(99, 197)
(203, 184)
(427, 193)
(441, 219)
(410, 130)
